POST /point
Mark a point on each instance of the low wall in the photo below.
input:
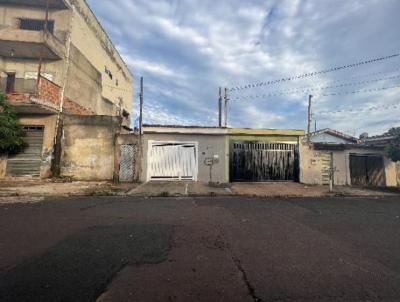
(310, 165)
(398, 173)
(3, 166)
(88, 147)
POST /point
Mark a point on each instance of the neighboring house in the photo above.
(81, 72)
(331, 153)
(220, 155)
(331, 136)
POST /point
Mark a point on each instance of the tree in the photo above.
(11, 132)
(393, 149)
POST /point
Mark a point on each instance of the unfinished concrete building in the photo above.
(56, 60)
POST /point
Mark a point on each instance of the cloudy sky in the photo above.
(186, 49)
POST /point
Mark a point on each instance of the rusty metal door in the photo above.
(367, 170)
(127, 163)
(263, 161)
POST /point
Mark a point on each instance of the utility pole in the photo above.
(141, 107)
(226, 98)
(220, 108)
(140, 164)
(309, 118)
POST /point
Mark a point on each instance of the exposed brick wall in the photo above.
(17, 97)
(74, 108)
(49, 91)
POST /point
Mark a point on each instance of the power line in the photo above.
(371, 108)
(311, 74)
(359, 91)
(305, 88)
(313, 88)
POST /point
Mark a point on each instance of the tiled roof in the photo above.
(335, 133)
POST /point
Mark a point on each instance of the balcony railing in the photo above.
(24, 92)
(44, 98)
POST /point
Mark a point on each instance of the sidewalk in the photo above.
(35, 190)
(266, 189)
(165, 189)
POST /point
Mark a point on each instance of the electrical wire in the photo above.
(358, 91)
(371, 108)
(313, 88)
(312, 74)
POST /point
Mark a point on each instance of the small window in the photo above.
(36, 25)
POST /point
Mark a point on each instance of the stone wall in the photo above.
(88, 147)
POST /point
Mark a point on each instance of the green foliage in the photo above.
(395, 132)
(11, 133)
(393, 150)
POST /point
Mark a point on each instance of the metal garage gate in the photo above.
(367, 170)
(263, 161)
(172, 161)
(28, 162)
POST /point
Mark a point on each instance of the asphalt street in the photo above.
(200, 249)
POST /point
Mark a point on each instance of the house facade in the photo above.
(331, 154)
(57, 60)
(219, 155)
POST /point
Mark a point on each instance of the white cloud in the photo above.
(187, 49)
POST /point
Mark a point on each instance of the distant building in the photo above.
(81, 73)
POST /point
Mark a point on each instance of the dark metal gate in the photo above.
(127, 163)
(367, 170)
(263, 161)
(28, 162)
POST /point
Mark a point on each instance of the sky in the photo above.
(187, 49)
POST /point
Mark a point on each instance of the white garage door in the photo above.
(172, 161)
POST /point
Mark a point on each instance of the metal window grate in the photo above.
(36, 25)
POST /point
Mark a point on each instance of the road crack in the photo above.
(250, 288)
